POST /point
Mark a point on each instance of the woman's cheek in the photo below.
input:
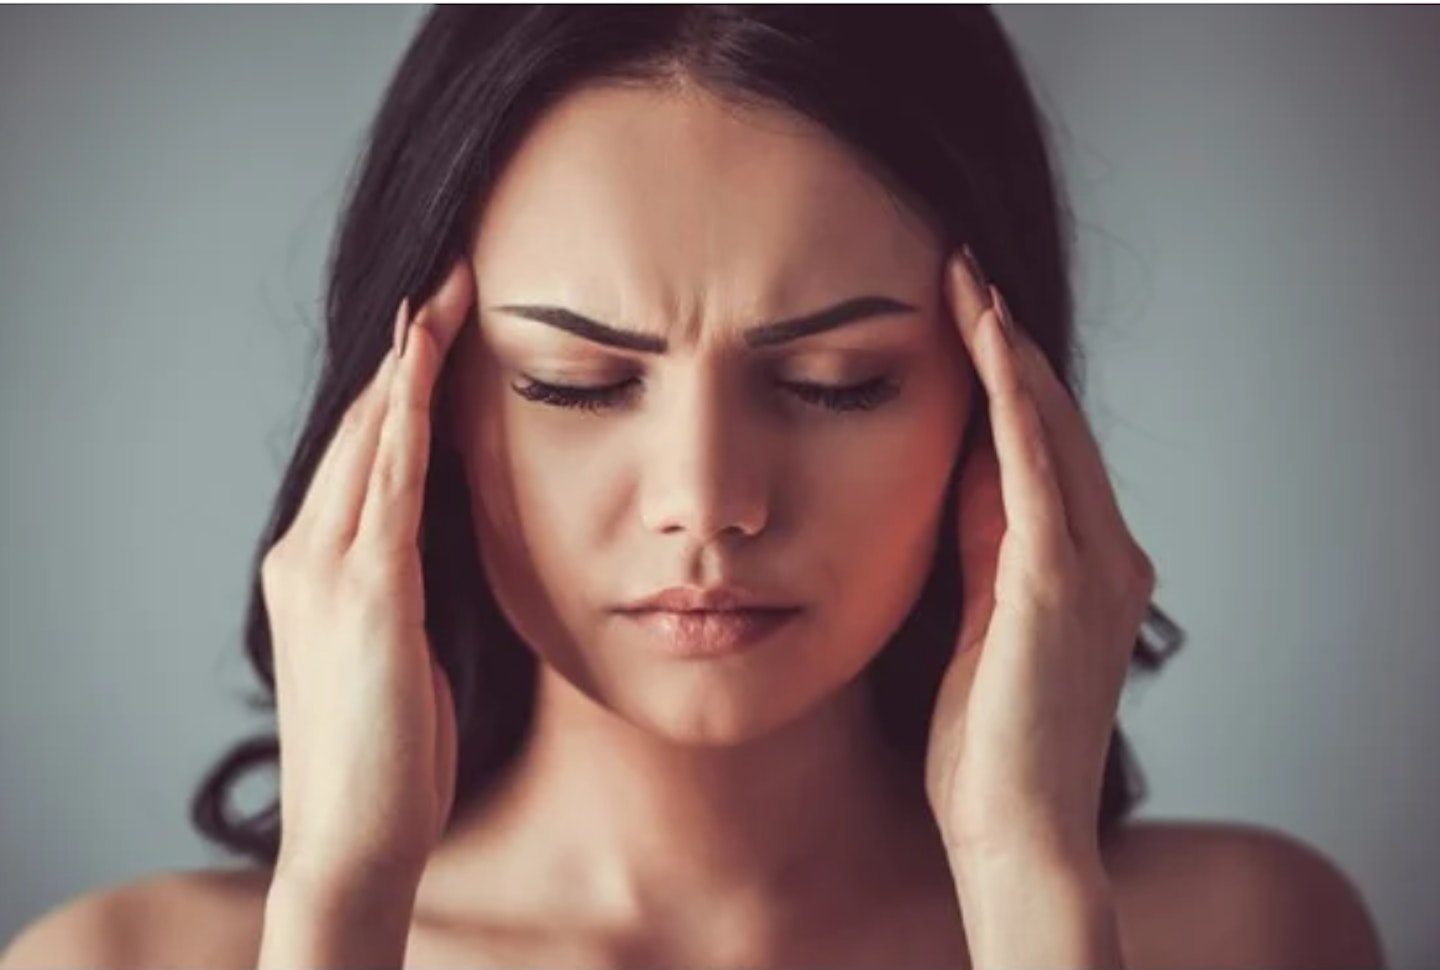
(566, 483)
(882, 494)
(894, 456)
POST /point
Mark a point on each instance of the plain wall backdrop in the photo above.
(1258, 233)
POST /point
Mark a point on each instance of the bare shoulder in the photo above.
(188, 918)
(1232, 895)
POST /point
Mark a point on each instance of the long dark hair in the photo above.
(932, 99)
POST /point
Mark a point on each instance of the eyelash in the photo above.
(855, 397)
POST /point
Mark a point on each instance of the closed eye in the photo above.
(865, 396)
(581, 398)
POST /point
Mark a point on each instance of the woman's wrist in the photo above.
(1036, 908)
(314, 919)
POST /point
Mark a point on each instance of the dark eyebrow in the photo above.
(764, 335)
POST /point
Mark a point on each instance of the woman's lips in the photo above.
(711, 633)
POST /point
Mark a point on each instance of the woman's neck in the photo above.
(599, 824)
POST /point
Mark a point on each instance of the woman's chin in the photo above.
(713, 710)
(722, 698)
(710, 726)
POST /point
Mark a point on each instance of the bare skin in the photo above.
(1188, 896)
(662, 793)
(740, 810)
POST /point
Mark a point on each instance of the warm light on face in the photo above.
(710, 351)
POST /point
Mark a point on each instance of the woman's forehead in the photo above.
(669, 201)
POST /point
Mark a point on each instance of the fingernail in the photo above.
(1007, 325)
(973, 265)
(956, 264)
(402, 318)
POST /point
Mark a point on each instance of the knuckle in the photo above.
(1130, 578)
(278, 561)
(388, 473)
(292, 562)
(1142, 570)
(275, 580)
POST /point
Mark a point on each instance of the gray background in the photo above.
(1259, 227)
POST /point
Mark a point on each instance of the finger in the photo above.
(332, 502)
(1034, 506)
(980, 507)
(445, 312)
(972, 294)
(390, 511)
(394, 498)
(1089, 497)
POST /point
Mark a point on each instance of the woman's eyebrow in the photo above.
(764, 335)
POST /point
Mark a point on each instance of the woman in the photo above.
(718, 571)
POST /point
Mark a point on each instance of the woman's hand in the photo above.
(366, 719)
(1055, 589)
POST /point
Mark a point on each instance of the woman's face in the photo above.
(717, 458)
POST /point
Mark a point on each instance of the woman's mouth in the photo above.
(708, 633)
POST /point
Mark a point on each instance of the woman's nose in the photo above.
(705, 468)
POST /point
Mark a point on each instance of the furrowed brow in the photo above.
(765, 335)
